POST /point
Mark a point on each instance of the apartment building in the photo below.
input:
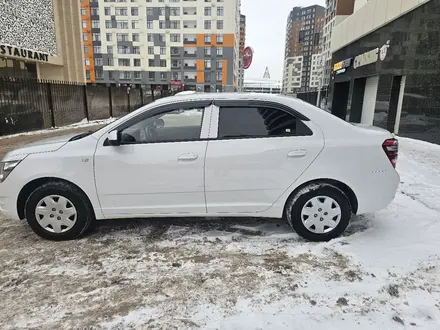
(385, 67)
(303, 31)
(162, 42)
(36, 50)
(336, 11)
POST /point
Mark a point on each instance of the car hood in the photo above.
(44, 145)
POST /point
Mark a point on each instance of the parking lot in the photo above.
(384, 273)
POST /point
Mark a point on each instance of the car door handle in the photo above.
(297, 153)
(188, 157)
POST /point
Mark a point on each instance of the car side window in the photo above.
(254, 122)
(172, 126)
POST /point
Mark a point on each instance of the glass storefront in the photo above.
(16, 68)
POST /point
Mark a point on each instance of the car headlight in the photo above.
(6, 166)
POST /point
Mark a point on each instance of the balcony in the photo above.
(190, 24)
(189, 64)
(189, 10)
(190, 52)
(190, 39)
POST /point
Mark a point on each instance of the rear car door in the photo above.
(256, 152)
(158, 168)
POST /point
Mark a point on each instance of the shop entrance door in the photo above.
(357, 100)
(340, 99)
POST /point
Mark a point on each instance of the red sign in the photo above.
(248, 54)
(176, 83)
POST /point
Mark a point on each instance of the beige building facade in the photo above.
(41, 39)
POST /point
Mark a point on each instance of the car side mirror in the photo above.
(113, 138)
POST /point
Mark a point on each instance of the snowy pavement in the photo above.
(384, 273)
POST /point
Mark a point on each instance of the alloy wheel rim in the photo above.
(321, 214)
(56, 214)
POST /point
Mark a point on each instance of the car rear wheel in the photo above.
(319, 212)
(58, 211)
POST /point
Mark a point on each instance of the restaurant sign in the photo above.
(25, 54)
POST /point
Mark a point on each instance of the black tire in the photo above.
(296, 203)
(85, 214)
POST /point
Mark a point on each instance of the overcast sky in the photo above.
(265, 33)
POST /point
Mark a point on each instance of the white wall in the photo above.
(372, 15)
(358, 4)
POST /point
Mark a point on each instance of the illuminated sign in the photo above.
(342, 65)
(371, 56)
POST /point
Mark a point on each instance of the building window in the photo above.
(86, 49)
(161, 11)
(207, 11)
(136, 50)
(162, 25)
(124, 62)
(219, 64)
(107, 11)
(163, 63)
(108, 24)
(95, 24)
(163, 51)
(137, 75)
(174, 24)
(175, 63)
(110, 75)
(98, 61)
(94, 11)
(125, 75)
(149, 24)
(207, 25)
(109, 49)
(207, 38)
(137, 62)
(220, 38)
(207, 50)
(174, 11)
(150, 50)
(97, 49)
(151, 62)
(162, 37)
(134, 24)
(208, 77)
(135, 37)
(85, 36)
(175, 37)
(83, 12)
(163, 76)
(175, 51)
(220, 51)
(88, 74)
(121, 11)
(219, 11)
(151, 75)
(134, 11)
(122, 24)
(96, 37)
(150, 11)
(122, 36)
(110, 61)
(219, 76)
(124, 50)
(149, 37)
(207, 64)
(219, 25)
(86, 62)
(84, 24)
(176, 76)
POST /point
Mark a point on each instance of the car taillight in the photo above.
(391, 148)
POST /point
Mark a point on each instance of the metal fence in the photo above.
(27, 105)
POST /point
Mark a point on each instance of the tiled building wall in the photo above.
(414, 52)
(19, 19)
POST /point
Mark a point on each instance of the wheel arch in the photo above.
(28, 188)
(344, 187)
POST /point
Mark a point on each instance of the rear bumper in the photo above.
(378, 191)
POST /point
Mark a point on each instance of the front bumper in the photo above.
(8, 208)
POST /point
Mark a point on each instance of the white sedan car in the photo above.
(205, 155)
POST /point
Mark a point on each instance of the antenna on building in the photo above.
(266, 73)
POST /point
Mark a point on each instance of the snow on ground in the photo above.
(82, 123)
(384, 273)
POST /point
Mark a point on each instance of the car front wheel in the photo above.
(58, 211)
(319, 212)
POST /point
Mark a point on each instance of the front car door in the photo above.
(158, 168)
(255, 155)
